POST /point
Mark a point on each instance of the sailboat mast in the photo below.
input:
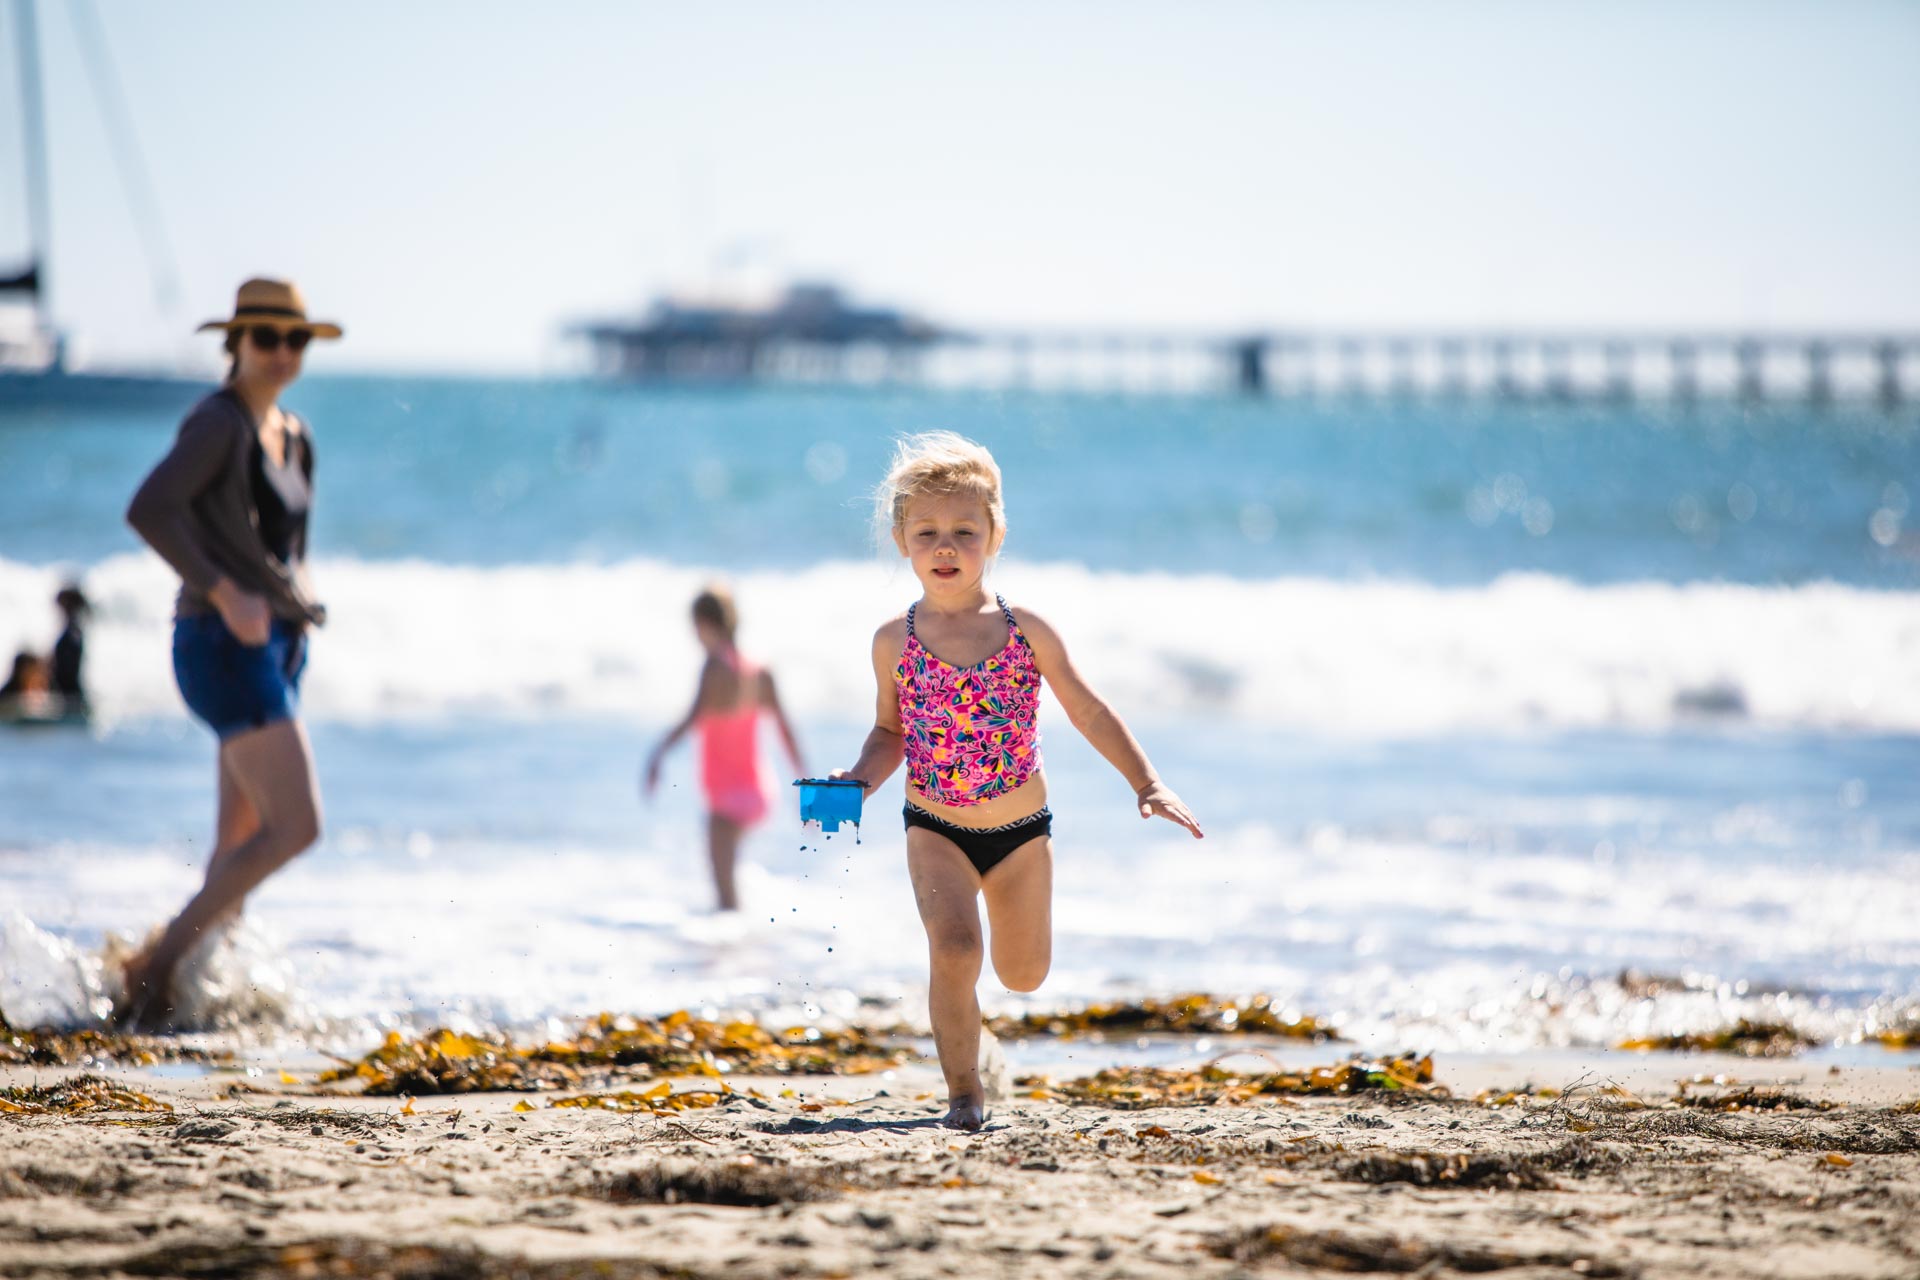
(34, 128)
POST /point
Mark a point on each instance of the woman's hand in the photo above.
(1158, 798)
(246, 614)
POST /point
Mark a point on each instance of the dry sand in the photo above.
(851, 1176)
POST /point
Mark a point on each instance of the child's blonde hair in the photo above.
(938, 464)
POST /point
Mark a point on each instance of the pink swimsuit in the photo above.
(730, 754)
(970, 733)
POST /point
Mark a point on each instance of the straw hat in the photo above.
(274, 303)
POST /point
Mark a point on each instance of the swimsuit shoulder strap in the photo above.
(910, 609)
(1013, 628)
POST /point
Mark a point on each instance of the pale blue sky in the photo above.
(455, 181)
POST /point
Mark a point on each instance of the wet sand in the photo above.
(843, 1176)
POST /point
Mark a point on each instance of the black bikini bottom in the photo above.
(985, 847)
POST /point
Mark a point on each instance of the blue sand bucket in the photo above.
(831, 801)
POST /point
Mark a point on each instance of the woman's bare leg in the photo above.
(1019, 894)
(273, 768)
(723, 847)
(237, 823)
(944, 887)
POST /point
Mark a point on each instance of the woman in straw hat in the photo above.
(227, 508)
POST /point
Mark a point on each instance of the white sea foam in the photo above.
(415, 639)
(1396, 943)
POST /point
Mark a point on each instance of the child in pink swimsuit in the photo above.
(726, 714)
(959, 677)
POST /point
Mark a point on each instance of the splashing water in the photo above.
(47, 981)
(239, 976)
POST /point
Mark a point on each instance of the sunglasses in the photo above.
(268, 340)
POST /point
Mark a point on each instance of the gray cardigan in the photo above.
(196, 509)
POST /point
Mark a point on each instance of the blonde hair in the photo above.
(937, 464)
(715, 607)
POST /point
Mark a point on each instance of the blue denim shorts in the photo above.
(234, 687)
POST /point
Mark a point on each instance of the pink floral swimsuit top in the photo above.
(970, 733)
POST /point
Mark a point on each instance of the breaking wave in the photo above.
(413, 639)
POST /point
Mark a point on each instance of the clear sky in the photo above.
(455, 181)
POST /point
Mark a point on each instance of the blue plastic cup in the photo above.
(831, 801)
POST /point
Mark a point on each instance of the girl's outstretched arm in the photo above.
(702, 695)
(770, 699)
(885, 746)
(1101, 725)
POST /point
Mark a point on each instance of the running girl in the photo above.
(726, 712)
(959, 678)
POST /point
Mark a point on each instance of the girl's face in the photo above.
(948, 538)
(711, 638)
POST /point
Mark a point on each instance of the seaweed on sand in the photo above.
(48, 1047)
(1519, 1097)
(77, 1096)
(1751, 1098)
(681, 1042)
(1138, 1088)
(1193, 1014)
(1752, 1039)
(745, 1181)
(658, 1100)
(445, 1061)
(348, 1259)
(1513, 1170)
(1336, 1250)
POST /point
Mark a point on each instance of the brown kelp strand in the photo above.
(1193, 1014)
(745, 1182)
(658, 1100)
(681, 1042)
(1494, 1170)
(1606, 1098)
(1750, 1099)
(1339, 1250)
(1751, 1039)
(1138, 1088)
(445, 1061)
(1520, 1097)
(77, 1096)
(46, 1047)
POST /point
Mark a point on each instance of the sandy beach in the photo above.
(1777, 1169)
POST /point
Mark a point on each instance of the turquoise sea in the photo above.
(1483, 705)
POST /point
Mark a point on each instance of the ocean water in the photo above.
(1482, 706)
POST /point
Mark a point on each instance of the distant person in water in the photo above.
(227, 508)
(727, 705)
(958, 679)
(69, 651)
(28, 693)
(47, 690)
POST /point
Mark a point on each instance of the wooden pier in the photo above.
(812, 334)
(1562, 367)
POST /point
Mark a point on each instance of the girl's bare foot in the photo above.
(967, 1113)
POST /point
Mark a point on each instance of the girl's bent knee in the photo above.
(1022, 977)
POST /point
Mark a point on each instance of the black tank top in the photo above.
(282, 496)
